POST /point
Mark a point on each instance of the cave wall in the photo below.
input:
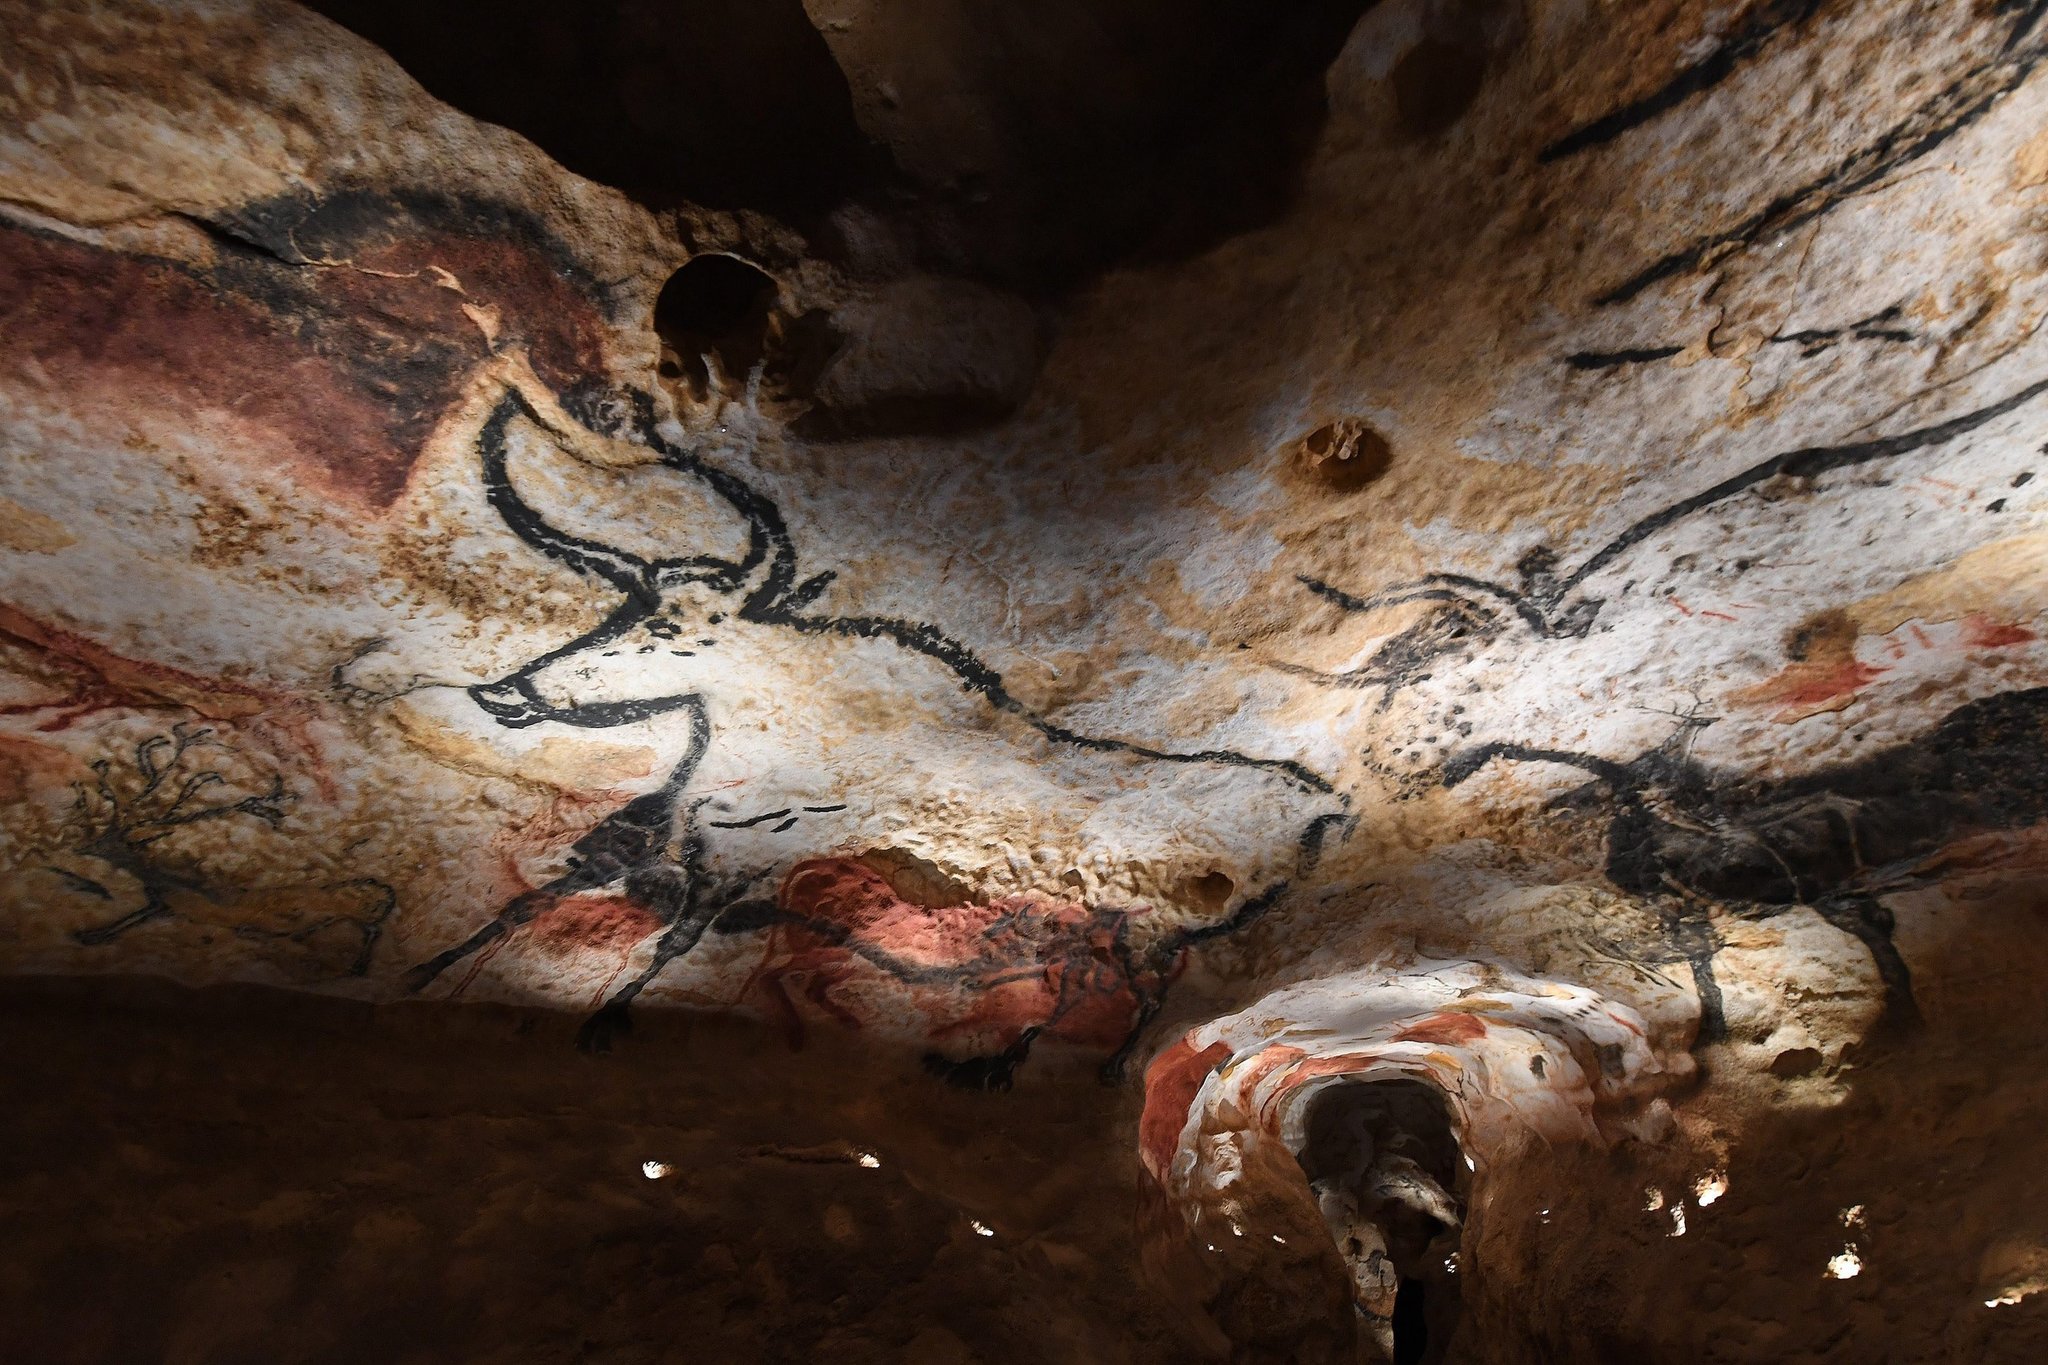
(1575, 520)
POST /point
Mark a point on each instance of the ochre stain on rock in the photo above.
(99, 679)
(1446, 1029)
(594, 923)
(1171, 1083)
(855, 950)
(349, 366)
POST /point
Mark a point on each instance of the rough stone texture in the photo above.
(1588, 535)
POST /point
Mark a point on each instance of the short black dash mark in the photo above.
(1877, 327)
(1611, 360)
(1702, 76)
(82, 884)
(786, 824)
(750, 822)
(822, 810)
(2021, 480)
(1996, 506)
(1323, 590)
(1950, 110)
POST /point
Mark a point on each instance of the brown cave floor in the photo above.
(238, 1175)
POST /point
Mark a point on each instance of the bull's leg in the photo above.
(1150, 1000)
(518, 911)
(995, 1072)
(371, 924)
(628, 845)
(1866, 919)
(673, 889)
(1692, 933)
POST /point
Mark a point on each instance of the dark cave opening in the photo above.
(718, 307)
(723, 103)
(1121, 129)
(1386, 1169)
(1411, 1322)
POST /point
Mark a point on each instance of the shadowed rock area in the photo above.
(1104, 681)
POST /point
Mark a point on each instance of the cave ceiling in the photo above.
(1492, 548)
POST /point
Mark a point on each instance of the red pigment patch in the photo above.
(97, 679)
(1981, 632)
(1446, 1029)
(1343, 1064)
(101, 679)
(27, 767)
(1814, 684)
(983, 972)
(1171, 1084)
(351, 371)
(593, 923)
(848, 893)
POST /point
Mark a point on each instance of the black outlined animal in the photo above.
(1552, 602)
(653, 849)
(1686, 837)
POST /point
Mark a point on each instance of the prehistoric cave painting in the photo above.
(777, 599)
(359, 293)
(1000, 975)
(1958, 104)
(652, 850)
(1688, 838)
(1549, 601)
(1886, 325)
(185, 778)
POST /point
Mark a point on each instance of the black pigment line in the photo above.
(1543, 606)
(1958, 105)
(1614, 360)
(779, 599)
(1703, 75)
(630, 840)
(1873, 328)
(1689, 837)
(750, 822)
(1807, 462)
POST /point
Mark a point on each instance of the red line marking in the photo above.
(1722, 614)
(478, 964)
(606, 988)
(1681, 606)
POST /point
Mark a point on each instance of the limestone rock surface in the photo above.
(1397, 661)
